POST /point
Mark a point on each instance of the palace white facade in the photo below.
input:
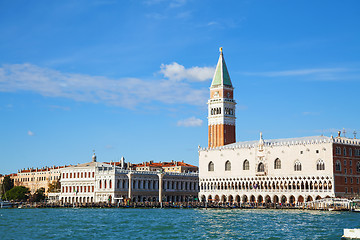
(97, 182)
(275, 171)
(282, 170)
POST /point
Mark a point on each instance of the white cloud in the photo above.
(190, 122)
(177, 72)
(30, 133)
(124, 92)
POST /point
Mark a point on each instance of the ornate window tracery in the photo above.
(261, 167)
(246, 165)
(320, 165)
(297, 166)
(277, 164)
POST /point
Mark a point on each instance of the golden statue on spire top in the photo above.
(220, 49)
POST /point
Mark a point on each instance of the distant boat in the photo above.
(5, 204)
(351, 233)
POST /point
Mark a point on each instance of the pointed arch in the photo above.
(261, 167)
(246, 165)
(297, 166)
(211, 167)
(277, 164)
(320, 165)
(228, 166)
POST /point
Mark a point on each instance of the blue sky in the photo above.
(131, 78)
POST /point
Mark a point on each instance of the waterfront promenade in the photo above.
(308, 206)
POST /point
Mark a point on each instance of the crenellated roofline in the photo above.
(287, 142)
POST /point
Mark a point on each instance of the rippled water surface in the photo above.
(173, 224)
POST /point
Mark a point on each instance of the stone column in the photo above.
(130, 185)
(160, 186)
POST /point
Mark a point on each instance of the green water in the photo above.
(173, 224)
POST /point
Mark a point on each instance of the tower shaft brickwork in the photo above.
(221, 107)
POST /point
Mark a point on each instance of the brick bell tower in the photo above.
(221, 107)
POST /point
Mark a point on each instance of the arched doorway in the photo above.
(283, 199)
(252, 198)
(267, 199)
(276, 199)
(309, 199)
(244, 199)
(300, 199)
(292, 199)
(260, 199)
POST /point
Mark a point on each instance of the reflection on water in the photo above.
(173, 224)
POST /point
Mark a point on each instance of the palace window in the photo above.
(211, 167)
(261, 167)
(320, 165)
(345, 179)
(277, 164)
(350, 152)
(345, 163)
(357, 152)
(297, 166)
(344, 151)
(227, 166)
(358, 167)
(338, 151)
(246, 165)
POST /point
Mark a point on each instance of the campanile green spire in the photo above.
(221, 76)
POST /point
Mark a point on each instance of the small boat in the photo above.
(351, 233)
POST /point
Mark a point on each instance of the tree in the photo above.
(8, 183)
(54, 186)
(19, 193)
(38, 196)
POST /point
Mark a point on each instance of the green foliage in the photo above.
(8, 183)
(19, 193)
(38, 196)
(54, 186)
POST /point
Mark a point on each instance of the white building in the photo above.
(271, 171)
(96, 182)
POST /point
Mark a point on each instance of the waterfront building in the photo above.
(35, 178)
(173, 166)
(99, 182)
(294, 170)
